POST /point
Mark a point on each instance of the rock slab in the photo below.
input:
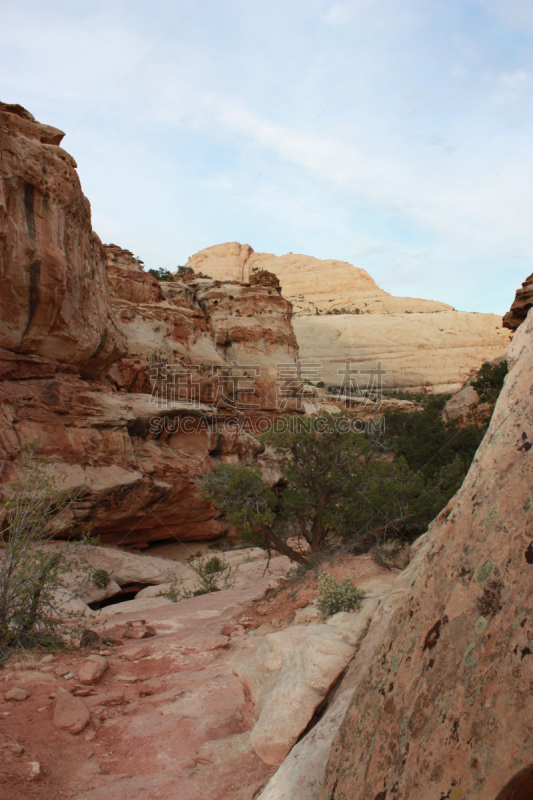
(288, 678)
(70, 713)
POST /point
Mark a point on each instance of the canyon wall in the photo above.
(88, 342)
(341, 314)
(445, 708)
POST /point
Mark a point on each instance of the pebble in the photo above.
(35, 771)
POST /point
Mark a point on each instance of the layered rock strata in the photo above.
(118, 380)
(342, 315)
(55, 298)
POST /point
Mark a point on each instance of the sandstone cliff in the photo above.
(86, 336)
(445, 707)
(342, 314)
(418, 351)
(309, 283)
(55, 299)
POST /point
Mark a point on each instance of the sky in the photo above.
(396, 136)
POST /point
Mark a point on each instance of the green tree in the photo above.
(335, 482)
(161, 274)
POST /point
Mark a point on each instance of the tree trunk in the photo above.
(281, 546)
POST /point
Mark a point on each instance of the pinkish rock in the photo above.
(113, 698)
(16, 694)
(92, 670)
(70, 713)
(445, 707)
(135, 653)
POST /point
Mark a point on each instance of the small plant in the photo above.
(214, 575)
(101, 578)
(334, 596)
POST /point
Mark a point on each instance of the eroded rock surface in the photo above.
(522, 303)
(288, 677)
(55, 299)
(447, 701)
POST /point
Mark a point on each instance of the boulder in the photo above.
(70, 713)
(92, 670)
(288, 678)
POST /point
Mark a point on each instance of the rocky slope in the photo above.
(160, 707)
(86, 339)
(444, 709)
(418, 347)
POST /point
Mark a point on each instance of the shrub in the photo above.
(101, 578)
(489, 381)
(214, 574)
(334, 596)
(161, 274)
(32, 576)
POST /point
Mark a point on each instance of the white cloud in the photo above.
(397, 173)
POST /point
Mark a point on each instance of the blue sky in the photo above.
(393, 135)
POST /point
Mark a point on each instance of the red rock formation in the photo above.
(445, 708)
(54, 299)
(521, 305)
(80, 321)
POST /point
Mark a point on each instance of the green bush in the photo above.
(334, 596)
(161, 274)
(214, 574)
(101, 578)
(32, 574)
(489, 381)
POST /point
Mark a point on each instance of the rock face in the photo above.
(54, 300)
(521, 305)
(341, 315)
(86, 340)
(302, 774)
(419, 351)
(446, 705)
(309, 283)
